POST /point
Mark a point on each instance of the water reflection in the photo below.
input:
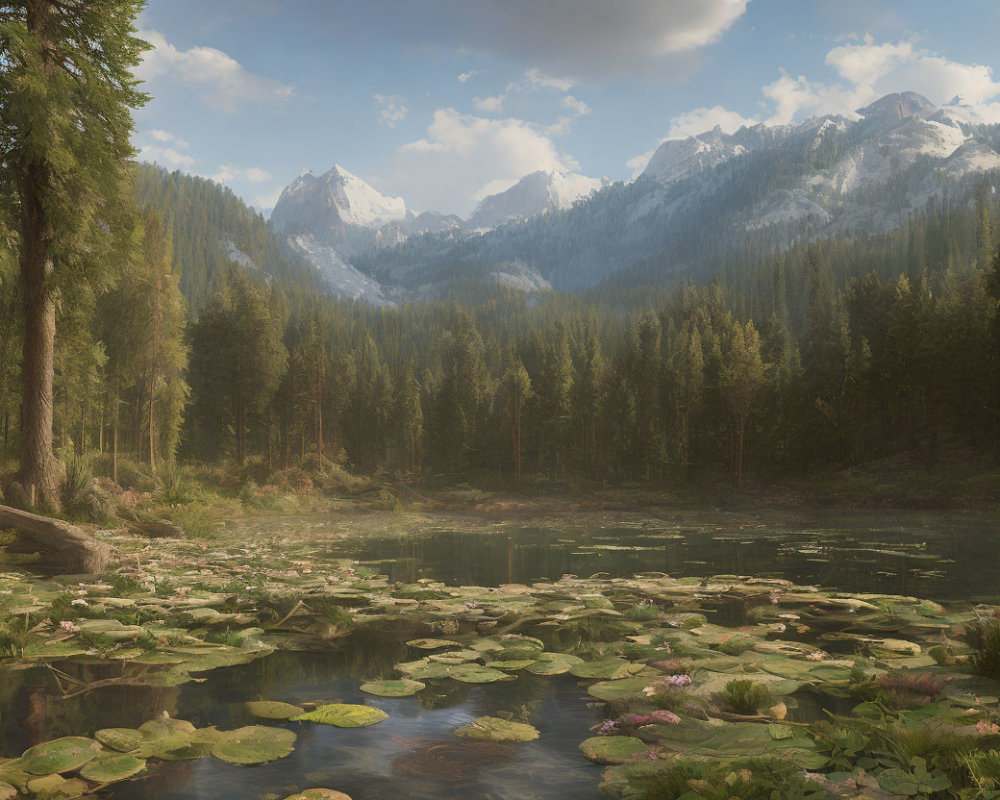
(941, 560)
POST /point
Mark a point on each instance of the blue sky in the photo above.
(444, 101)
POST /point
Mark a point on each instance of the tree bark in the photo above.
(40, 473)
(68, 546)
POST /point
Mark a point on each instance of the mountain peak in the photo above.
(537, 192)
(327, 204)
(898, 106)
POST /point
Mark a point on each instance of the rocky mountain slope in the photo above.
(762, 186)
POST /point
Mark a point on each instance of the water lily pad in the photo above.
(253, 744)
(495, 729)
(624, 689)
(400, 688)
(554, 664)
(319, 794)
(7, 792)
(124, 740)
(59, 755)
(612, 749)
(422, 669)
(56, 787)
(272, 709)
(475, 673)
(605, 668)
(344, 715)
(110, 767)
(432, 644)
(511, 666)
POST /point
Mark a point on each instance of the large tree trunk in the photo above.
(40, 474)
(67, 546)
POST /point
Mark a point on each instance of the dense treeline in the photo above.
(829, 354)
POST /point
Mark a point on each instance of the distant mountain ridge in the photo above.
(761, 186)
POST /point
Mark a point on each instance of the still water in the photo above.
(931, 556)
(414, 754)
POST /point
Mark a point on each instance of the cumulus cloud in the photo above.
(463, 77)
(391, 109)
(490, 105)
(468, 157)
(227, 173)
(161, 147)
(868, 70)
(863, 71)
(221, 81)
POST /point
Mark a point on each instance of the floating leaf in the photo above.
(319, 794)
(495, 729)
(110, 767)
(400, 688)
(475, 673)
(624, 689)
(432, 644)
(59, 755)
(124, 740)
(272, 709)
(253, 744)
(554, 664)
(344, 715)
(612, 749)
(606, 668)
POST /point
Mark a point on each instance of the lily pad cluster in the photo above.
(736, 662)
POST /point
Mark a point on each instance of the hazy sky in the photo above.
(444, 101)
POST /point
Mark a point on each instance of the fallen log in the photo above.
(66, 546)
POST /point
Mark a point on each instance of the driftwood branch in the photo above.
(67, 546)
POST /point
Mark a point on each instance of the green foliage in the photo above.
(917, 782)
(744, 696)
(984, 637)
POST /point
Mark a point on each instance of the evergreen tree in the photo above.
(66, 90)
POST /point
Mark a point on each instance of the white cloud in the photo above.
(490, 105)
(165, 156)
(165, 136)
(391, 109)
(537, 78)
(869, 70)
(228, 173)
(223, 83)
(465, 76)
(700, 120)
(576, 106)
(161, 147)
(467, 157)
(864, 70)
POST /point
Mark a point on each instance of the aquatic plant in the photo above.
(907, 690)
(983, 635)
(917, 782)
(744, 696)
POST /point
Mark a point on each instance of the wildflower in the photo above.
(987, 728)
(638, 720)
(679, 680)
(79, 602)
(608, 726)
(665, 717)
(650, 690)
(69, 627)
(814, 777)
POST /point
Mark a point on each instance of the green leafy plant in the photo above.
(918, 782)
(744, 696)
(984, 636)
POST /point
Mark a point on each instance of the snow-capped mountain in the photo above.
(537, 193)
(698, 198)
